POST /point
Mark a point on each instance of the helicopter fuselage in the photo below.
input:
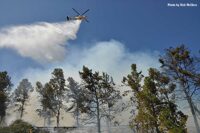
(79, 16)
(76, 18)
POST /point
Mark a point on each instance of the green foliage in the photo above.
(21, 95)
(92, 92)
(183, 68)
(173, 122)
(53, 94)
(5, 130)
(5, 86)
(18, 126)
(45, 97)
(75, 95)
(156, 109)
(99, 94)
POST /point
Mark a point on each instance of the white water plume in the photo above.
(43, 42)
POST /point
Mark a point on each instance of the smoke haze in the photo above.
(43, 42)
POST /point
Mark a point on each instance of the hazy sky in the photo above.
(141, 25)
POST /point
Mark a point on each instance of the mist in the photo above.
(99, 56)
(42, 41)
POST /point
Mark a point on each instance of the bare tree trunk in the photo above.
(44, 122)
(196, 109)
(98, 118)
(1, 121)
(108, 121)
(108, 124)
(77, 117)
(189, 99)
(58, 118)
(49, 121)
(22, 110)
(192, 111)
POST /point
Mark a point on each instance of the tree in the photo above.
(170, 118)
(75, 96)
(5, 86)
(110, 99)
(133, 80)
(156, 108)
(53, 93)
(57, 82)
(183, 68)
(45, 94)
(97, 93)
(21, 95)
(19, 126)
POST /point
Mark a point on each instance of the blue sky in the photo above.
(142, 25)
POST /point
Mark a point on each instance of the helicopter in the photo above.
(79, 16)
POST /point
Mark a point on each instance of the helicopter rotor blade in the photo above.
(76, 11)
(85, 12)
(86, 20)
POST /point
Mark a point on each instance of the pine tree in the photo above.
(57, 82)
(98, 92)
(21, 95)
(156, 108)
(183, 68)
(53, 94)
(46, 97)
(75, 95)
(5, 86)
